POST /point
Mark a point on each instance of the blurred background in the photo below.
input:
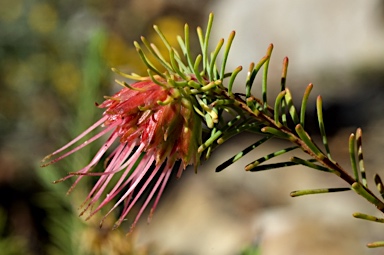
(55, 60)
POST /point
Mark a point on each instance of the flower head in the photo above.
(155, 127)
(155, 124)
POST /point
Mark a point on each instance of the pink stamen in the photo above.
(164, 183)
(98, 123)
(132, 203)
(109, 171)
(149, 198)
(135, 177)
(116, 162)
(95, 159)
(180, 171)
(109, 128)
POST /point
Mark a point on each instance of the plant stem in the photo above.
(291, 136)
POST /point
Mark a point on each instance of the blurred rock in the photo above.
(316, 36)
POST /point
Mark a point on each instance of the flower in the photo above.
(157, 131)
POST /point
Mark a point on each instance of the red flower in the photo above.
(156, 127)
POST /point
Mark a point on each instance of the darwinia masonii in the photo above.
(175, 117)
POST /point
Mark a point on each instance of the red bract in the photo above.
(155, 127)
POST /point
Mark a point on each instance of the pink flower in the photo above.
(156, 128)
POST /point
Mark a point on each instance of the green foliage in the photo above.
(62, 223)
(211, 86)
(251, 250)
(10, 245)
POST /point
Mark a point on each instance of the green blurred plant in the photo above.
(227, 113)
(251, 250)
(69, 235)
(10, 245)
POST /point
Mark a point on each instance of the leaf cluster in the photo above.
(226, 113)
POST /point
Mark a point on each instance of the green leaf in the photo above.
(277, 108)
(304, 104)
(268, 157)
(241, 154)
(284, 73)
(376, 244)
(368, 217)
(217, 134)
(232, 79)
(277, 133)
(319, 108)
(379, 185)
(215, 53)
(359, 144)
(298, 193)
(291, 107)
(272, 166)
(264, 83)
(156, 53)
(226, 54)
(352, 156)
(361, 190)
(308, 141)
(309, 163)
